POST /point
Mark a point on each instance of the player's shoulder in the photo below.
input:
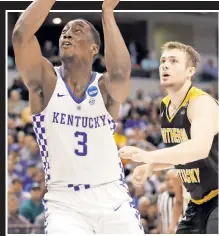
(200, 97)
(196, 92)
(165, 100)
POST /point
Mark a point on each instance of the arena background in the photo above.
(144, 33)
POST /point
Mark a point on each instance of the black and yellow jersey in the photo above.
(200, 178)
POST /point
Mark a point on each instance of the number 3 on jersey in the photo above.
(82, 143)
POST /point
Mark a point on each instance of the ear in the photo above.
(191, 71)
(94, 49)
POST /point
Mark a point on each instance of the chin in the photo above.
(167, 84)
(65, 57)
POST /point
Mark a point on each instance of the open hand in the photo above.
(110, 4)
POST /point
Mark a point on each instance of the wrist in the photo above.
(106, 10)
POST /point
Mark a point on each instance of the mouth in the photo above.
(66, 44)
(165, 76)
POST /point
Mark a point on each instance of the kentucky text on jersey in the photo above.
(190, 175)
(174, 135)
(80, 121)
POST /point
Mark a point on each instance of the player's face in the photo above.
(76, 40)
(174, 70)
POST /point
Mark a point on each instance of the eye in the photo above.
(77, 30)
(174, 60)
(64, 31)
(162, 61)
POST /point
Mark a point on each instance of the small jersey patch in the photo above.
(92, 91)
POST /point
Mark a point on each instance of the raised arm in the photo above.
(28, 57)
(118, 62)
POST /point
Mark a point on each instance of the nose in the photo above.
(68, 34)
(165, 66)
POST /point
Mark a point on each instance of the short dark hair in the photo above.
(95, 33)
(17, 180)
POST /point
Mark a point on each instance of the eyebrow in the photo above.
(168, 57)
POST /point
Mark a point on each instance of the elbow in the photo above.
(205, 152)
(117, 75)
(204, 147)
(17, 36)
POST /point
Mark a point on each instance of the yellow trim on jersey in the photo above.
(206, 198)
(191, 94)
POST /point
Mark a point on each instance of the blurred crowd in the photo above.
(138, 124)
(145, 63)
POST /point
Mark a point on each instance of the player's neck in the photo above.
(77, 73)
(177, 96)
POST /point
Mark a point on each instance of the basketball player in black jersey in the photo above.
(189, 127)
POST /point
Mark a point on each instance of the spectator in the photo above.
(133, 53)
(39, 224)
(17, 188)
(210, 71)
(20, 86)
(49, 51)
(16, 222)
(12, 173)
(33, 207)
(134, 121)
(153, 184)
(152, 218)
(11, 128)
(166, 202)
(124, 111)
(145, 226)
(25, 151)
(28, 179)
(99, 64)
(143, 205)
(150, 65)
(132, 193)
(15, 104)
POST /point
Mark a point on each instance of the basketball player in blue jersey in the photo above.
(74, 111)
(189, 127)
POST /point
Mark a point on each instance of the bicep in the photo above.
(203, 113)
(117, 86)
(29, 60)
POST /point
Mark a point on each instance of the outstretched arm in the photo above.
(28, 57)
(118, 62)
(203, 113)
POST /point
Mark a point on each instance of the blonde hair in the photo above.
(193, 55)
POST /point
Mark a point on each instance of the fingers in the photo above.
(126, 152)
(141, 173)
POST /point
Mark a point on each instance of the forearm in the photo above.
(183, 153)
(118, 62)
(177, 211)
(31, 19)
(162, 166)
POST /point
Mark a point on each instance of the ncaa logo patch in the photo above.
(92, 91)
(92, 101)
